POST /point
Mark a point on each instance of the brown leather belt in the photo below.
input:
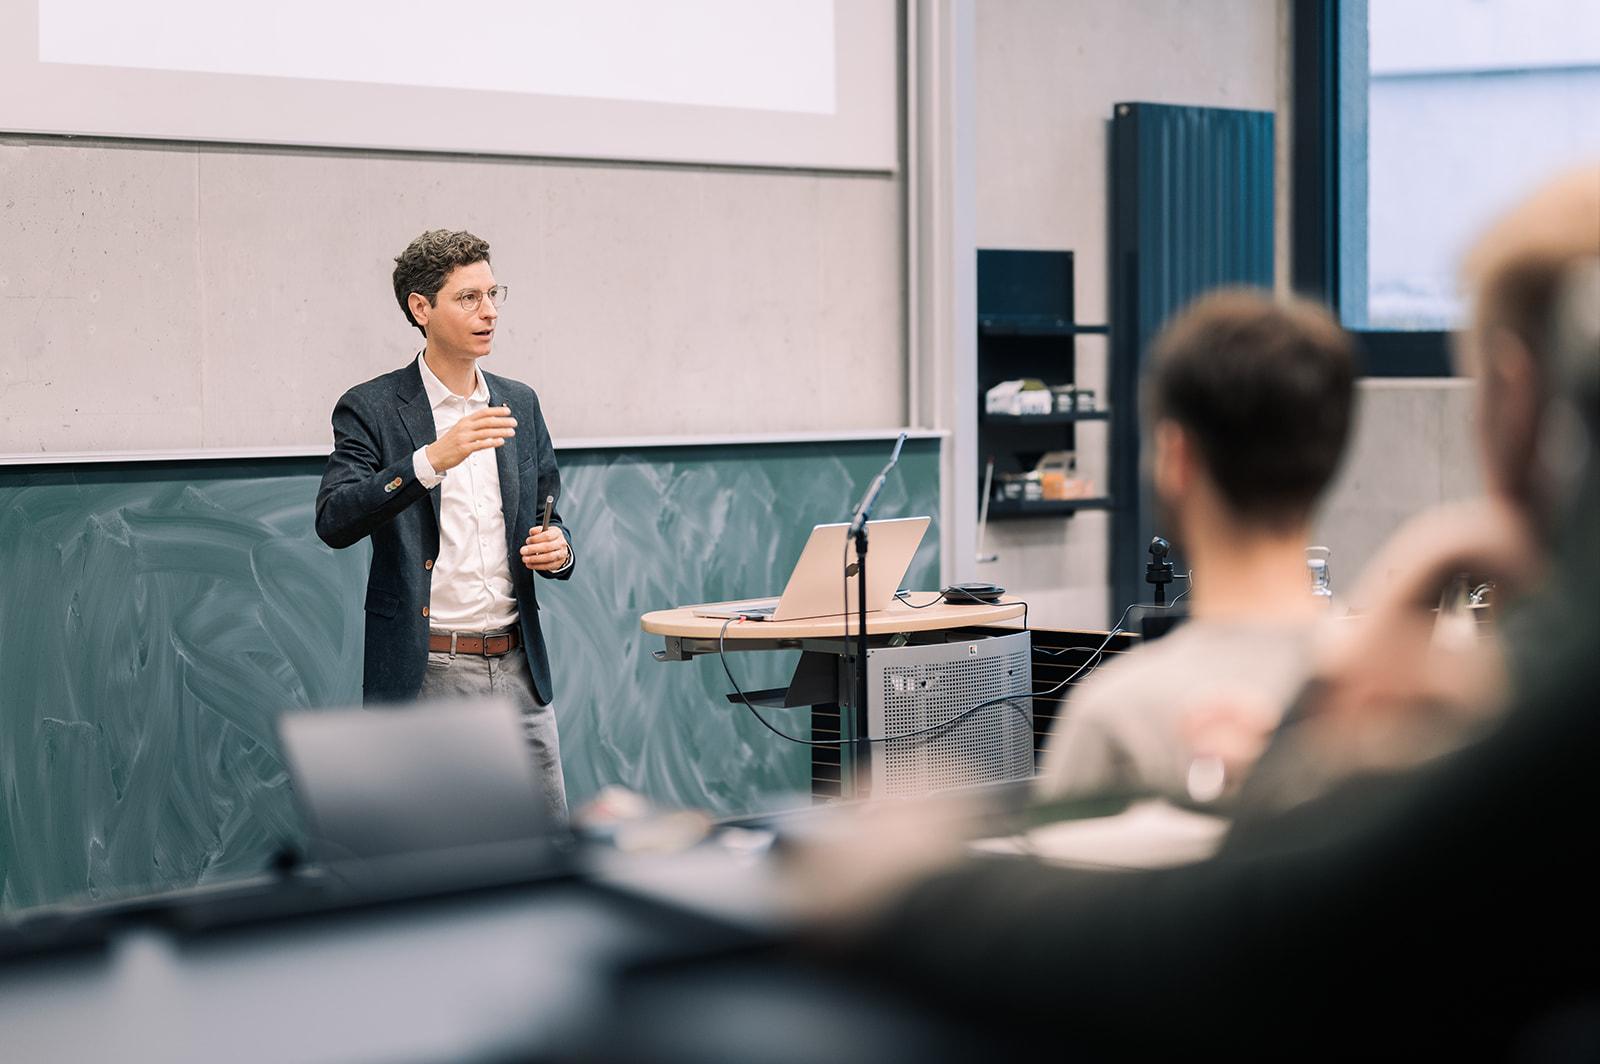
(489, 646)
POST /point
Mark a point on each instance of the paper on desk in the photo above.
(1149, 834)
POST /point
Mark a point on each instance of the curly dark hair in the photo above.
(428, 260)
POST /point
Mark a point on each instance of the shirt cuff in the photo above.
(424, 469)
(571, 557)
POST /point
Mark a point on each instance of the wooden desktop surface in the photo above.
(900, 617)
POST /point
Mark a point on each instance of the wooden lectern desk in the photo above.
(687, 635)
(824, 678)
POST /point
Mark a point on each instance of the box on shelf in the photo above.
(1018, 487)
(1069, 398)
(1026, 396)
(1066, 397)
(1058, 477)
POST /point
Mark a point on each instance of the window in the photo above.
(1417, 121)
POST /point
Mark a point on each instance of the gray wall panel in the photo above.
(100, 301)
(234, 293)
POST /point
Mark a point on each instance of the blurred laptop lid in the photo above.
(406, 797)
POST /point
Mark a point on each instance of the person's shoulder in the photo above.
(1236, 650)
(509, 390)
(384, 384)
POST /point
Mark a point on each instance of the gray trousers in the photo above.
(473, 676)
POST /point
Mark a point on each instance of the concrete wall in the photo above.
(1414, 445)
(1048, 75)
(157, 296)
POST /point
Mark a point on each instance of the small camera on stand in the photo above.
(1159, 573)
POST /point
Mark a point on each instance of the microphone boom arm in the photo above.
(870, 499)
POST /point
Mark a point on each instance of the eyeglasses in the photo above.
(471, 299)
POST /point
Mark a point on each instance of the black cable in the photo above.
(944, 596)
(1093, 659)
(722, 654)
(1116, 630)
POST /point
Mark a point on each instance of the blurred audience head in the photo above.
(1248, 402)
(1533, 341)
(1524, 273)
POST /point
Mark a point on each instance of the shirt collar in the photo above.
(438, 393)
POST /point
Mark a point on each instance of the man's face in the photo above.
(452, 329)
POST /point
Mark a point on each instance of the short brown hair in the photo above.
(1265, 389)
(428, 260)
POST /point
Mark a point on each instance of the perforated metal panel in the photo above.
(912, 688)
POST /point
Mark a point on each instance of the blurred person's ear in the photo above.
(1173, 474)
(1173, 469)
(1509, 404)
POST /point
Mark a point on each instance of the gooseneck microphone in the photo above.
(864, 508)
(858, 533)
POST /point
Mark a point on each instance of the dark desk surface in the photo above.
(679, 957)
(487, 974)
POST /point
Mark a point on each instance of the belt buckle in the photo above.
(453, 637)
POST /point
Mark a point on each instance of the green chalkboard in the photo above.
(155, 617)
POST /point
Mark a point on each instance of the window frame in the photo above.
(1325, 42)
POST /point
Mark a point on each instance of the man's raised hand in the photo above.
(490, 427)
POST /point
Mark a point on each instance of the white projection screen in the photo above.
(786, 83)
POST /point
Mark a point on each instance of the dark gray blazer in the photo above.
(371, 489)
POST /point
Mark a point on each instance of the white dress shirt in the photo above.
(471, 586)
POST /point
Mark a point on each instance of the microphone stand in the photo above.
(858, 532)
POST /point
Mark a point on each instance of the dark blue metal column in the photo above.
(1191, 210)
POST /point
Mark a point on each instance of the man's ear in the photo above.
(420, 308)
(1172, 468)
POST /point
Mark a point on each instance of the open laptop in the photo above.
(402, 798)
(817, 586)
